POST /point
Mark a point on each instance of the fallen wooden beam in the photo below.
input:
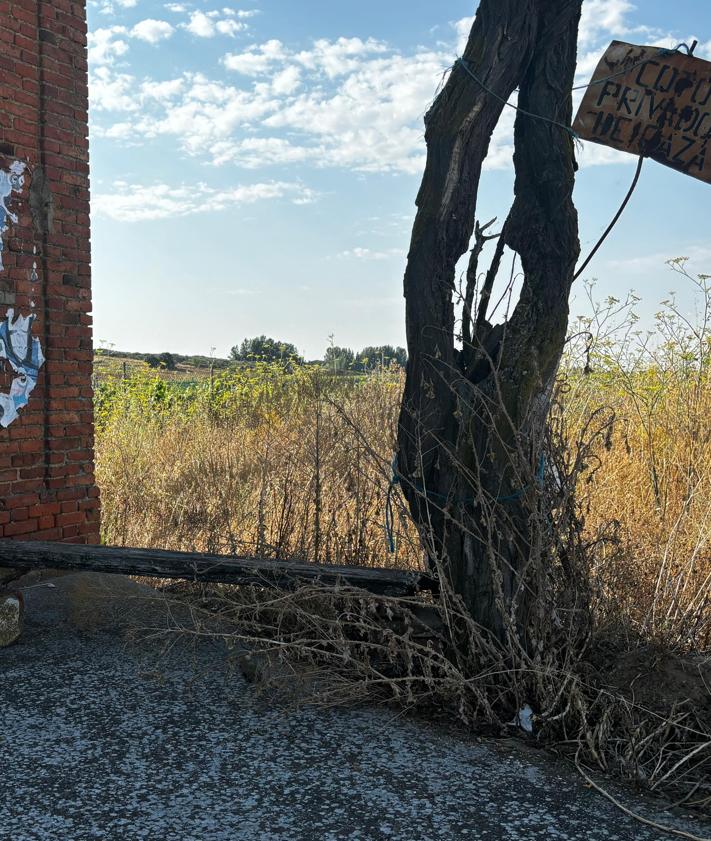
(195, 566)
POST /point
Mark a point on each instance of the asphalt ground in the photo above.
(104, 738)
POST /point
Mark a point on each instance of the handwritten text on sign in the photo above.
(651, 102)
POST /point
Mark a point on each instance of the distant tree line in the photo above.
(339, 359)
(345, 359)
(266, 349)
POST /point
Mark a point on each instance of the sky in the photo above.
(255, 167)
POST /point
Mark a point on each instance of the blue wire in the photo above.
(396, 479)
(467, 68)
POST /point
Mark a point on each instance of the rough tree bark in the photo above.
(468, 414)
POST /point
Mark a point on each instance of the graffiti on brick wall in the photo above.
(18, 347)
(24, 353)
(11, 181)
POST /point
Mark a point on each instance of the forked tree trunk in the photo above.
(470, 431)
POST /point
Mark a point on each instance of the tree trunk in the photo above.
(472, 421)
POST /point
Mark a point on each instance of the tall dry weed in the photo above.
(653, 475)
(270, 462)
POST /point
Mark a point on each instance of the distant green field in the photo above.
(108, 366)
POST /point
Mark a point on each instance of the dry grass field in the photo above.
(269, 462)
(296, 463)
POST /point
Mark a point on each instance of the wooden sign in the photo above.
(651, 102)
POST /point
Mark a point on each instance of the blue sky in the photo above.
(254, 167)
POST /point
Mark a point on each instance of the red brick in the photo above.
(46, 457)
(25, 527)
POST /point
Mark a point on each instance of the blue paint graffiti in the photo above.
(11, 182)
(24, 353)
(17, 345)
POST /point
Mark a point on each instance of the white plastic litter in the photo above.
(524, 719)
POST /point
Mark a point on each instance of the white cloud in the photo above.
(256, 152)
(107, 7)
(140, 203)
(372, 119)
(162, 91)
(201, 25)
(369, 118)
(587, 62)
(119, 131)
(286, 81)
(352, 103)
(106, 44)
(111, 91)
(594, 154)
(334, 58)
(360, 253)
(229, 27)
(339, 57)
(603, 17)
(257, 59)
(462, 28)
(206, 114)
(209, 24)
(152, 31)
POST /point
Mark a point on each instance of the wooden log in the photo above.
(195, 566)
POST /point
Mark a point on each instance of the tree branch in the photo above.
(480, 240)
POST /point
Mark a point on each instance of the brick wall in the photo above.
(47, 486)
